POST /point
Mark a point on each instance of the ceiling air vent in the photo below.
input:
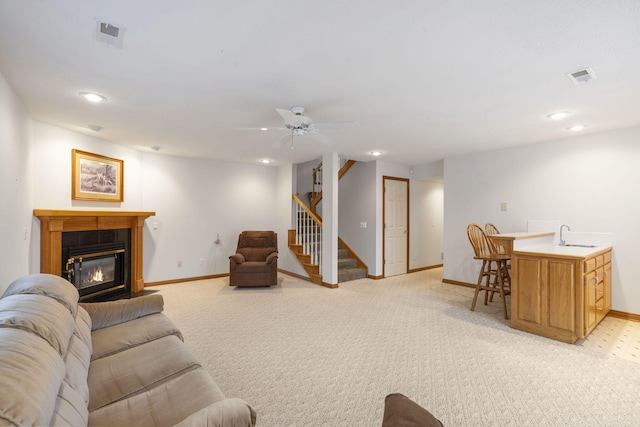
(582, 76)
(109, 34)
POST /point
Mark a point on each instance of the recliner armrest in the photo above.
(237, 258)
(272, 256)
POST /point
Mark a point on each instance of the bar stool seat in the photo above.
(494, 272)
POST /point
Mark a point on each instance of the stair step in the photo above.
(345, 275)
(346, 263)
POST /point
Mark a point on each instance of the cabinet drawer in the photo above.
(607, 257)
(599, 261)
(589, 265)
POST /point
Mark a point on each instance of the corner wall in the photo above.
(16, 187)
(588, 182)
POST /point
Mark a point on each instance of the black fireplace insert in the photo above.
(96, 269)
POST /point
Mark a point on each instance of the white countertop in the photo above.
(522, 235)
(568, 251)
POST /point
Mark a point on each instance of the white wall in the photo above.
(356, 204)
(52, 169)
(15, 188)
(588, 182)
(285, 182)
(195, 202)
(360, 200)
(426, 222)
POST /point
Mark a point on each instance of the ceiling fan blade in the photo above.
(287, 115)
(290, 118)
(263, 129)
(283, 140)
(336, 125)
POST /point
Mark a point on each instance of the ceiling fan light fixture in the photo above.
(93, 97)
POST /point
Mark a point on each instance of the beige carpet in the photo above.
(304, 355)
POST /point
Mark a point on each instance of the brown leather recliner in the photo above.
(255, 262)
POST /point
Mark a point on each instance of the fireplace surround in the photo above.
(57, 229)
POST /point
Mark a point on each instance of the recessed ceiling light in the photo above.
(92, 97)
(265, 161)
(264, 128)
(576, 128)
(376, 153)
(558, 115)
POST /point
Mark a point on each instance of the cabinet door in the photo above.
(560, 307)
(607, 287)
(590, 284)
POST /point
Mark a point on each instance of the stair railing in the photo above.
(317, 176)
(308, 231)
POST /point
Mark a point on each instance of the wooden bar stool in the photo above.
(494, 273)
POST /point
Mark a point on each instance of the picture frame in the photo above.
(95, 177)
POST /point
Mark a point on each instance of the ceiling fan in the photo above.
(297, 124)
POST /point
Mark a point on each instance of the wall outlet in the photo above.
(201, 261)
(504, 206)
(179, 264)
(363, 225)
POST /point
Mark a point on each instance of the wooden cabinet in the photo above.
(560, 296)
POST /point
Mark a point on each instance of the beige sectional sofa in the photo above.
(111, 363)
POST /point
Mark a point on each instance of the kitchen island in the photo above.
(560, 292)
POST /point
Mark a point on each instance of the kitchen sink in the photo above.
(575, 245)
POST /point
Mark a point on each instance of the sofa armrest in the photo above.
(231, 412)
(109, 313)
(272, 256)
(237, 258)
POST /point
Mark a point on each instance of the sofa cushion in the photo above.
(39, 315)
(49, 285)
(110, 313)
(156, 406)
(133, 371)
(73, 397)
(31, 372)
(121, 337)
(228, 412)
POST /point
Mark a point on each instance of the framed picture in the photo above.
(96, 177)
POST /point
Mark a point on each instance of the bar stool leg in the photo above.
(501, 267)
(478, 285)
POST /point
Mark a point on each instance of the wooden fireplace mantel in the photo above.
(53, 223)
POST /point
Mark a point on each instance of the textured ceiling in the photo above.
(424, 79)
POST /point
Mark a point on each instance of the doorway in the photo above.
(395, 218)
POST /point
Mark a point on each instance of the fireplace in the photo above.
(108, 239)
(99, 271)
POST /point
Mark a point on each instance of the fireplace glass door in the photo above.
(96, 269)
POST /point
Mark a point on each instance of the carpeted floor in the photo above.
(304, 355)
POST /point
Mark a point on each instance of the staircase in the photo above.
(305, 242)
(349, 268)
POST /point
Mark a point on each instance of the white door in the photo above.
(396, 199)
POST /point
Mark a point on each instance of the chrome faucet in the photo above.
(562, 242)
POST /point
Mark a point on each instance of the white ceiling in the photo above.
(425, 79)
